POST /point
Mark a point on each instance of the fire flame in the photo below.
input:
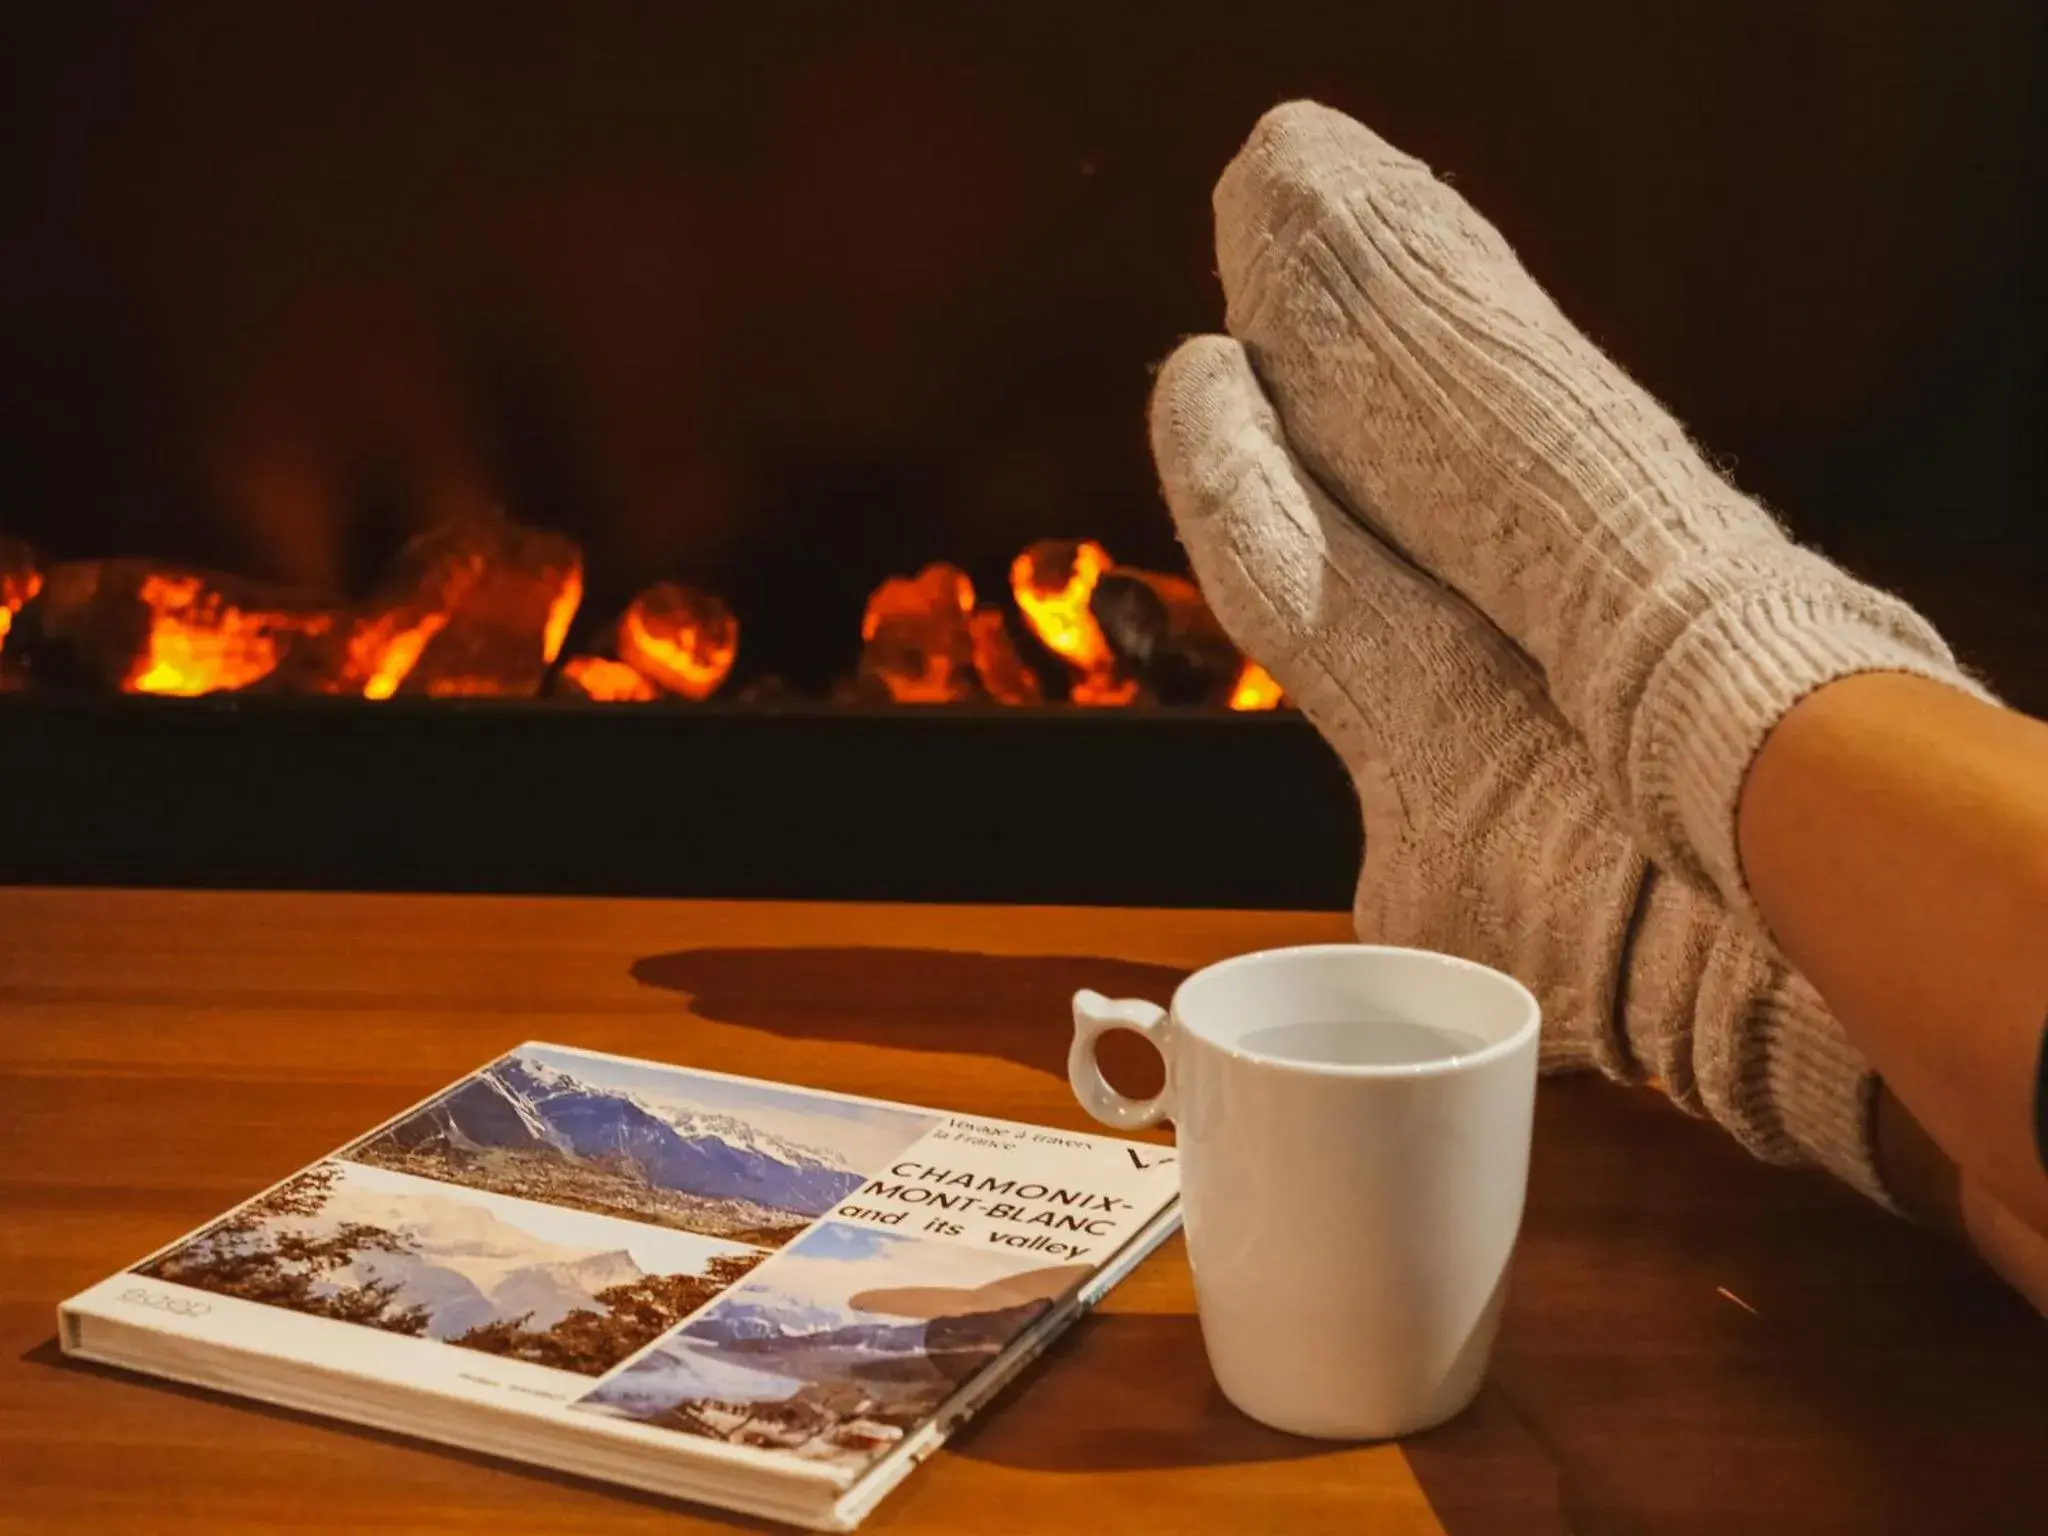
(438, 573)
(1052, 582)
(682, 639)
(561, 614)
(382, 657)
(199, 642)
(599, 677)
(1255, 689)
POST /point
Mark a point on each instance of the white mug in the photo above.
(1353, 1123)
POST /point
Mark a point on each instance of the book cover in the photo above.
(767, 1297)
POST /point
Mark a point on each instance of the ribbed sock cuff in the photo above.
(1823, 1090)
(1764, 638)
(1778, 1072)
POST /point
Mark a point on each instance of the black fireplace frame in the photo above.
(1179, 808)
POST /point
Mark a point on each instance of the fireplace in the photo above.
(628, 449)
(1086, 733)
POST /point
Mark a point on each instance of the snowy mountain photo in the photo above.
(385, 1250)
(837, 1346)
(745, 1161)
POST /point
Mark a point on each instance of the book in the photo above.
(766, 1298)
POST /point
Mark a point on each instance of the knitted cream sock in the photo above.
(1485, 833)
(1428, 381)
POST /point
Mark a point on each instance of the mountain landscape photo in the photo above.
(382, 1250)
(747, 1162)
(838, 1346)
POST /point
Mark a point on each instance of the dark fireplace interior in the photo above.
(788, 362)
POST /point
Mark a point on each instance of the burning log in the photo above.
(1053, 581)
(473, 606)
(680, 639)
(139, 627)
(915, 638)
(600, 678)
(924, 642)
(429, 580)
(1162, 633)
(515, 591)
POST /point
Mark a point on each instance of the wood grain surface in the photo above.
(1695, 1343)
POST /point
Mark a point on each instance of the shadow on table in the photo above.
(1128, 1391)
(1016, 1007)
(1121, 1391)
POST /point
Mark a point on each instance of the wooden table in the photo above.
(1695, 1342)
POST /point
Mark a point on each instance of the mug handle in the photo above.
(1094, 1013)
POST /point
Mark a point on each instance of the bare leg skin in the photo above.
(1894, 834)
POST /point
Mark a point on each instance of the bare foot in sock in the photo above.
(1429, 383)
(1486, 835)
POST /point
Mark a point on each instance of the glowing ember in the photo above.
(1104, 688)
(941, 590)
(1255, 689)
(682, 639)
(19, 581)
(915, 637)
(481, 605)
(199, 642)
(1052, 582)
(613, 682)
(996, 662)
